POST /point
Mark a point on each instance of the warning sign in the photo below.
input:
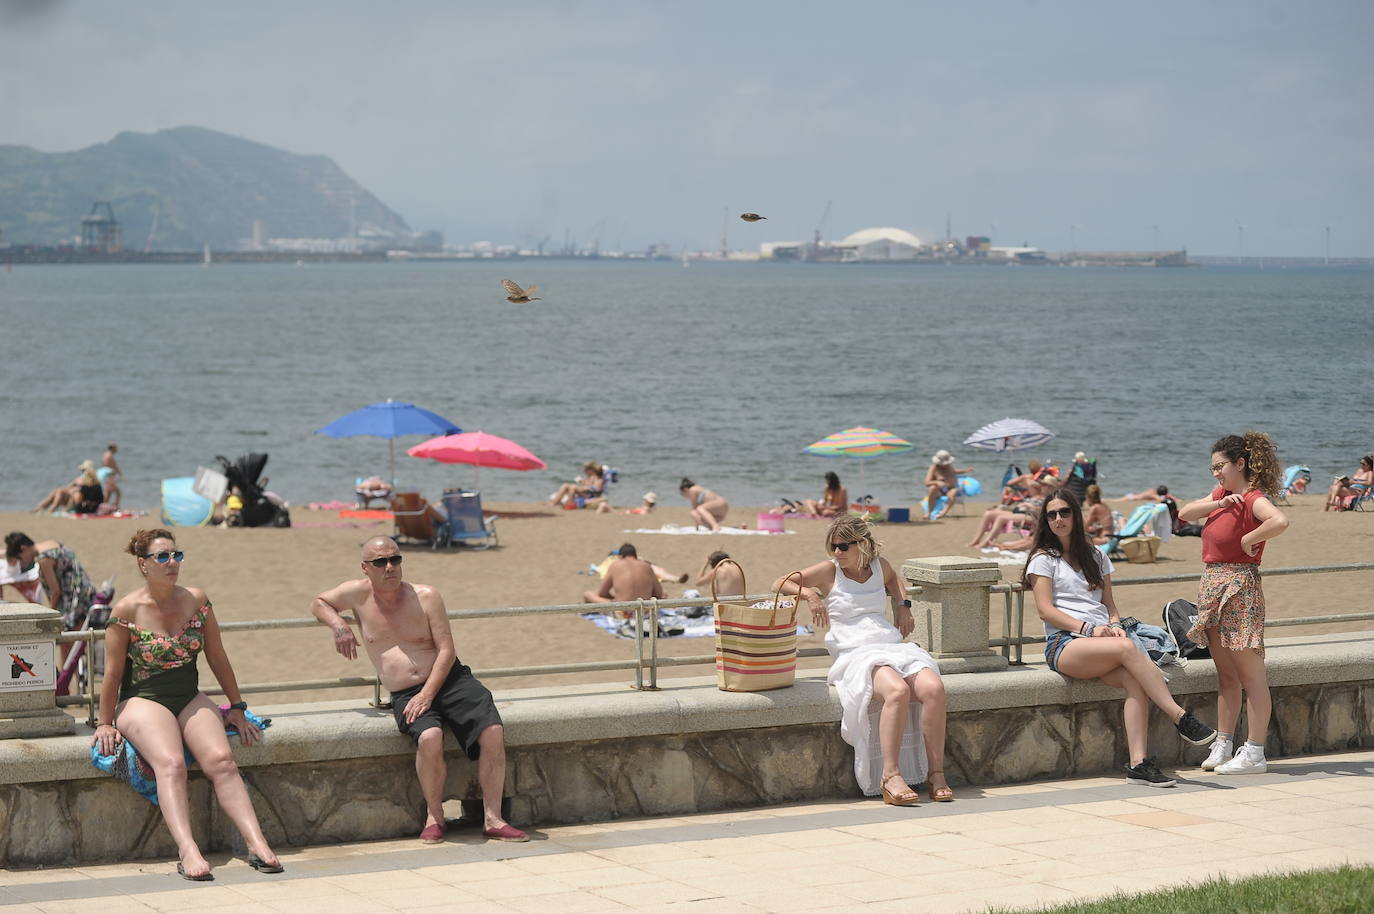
(27, 666)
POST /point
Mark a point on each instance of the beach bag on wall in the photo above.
(1179, 616)
(756, 643)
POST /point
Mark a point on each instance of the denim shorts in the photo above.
(1054, 646)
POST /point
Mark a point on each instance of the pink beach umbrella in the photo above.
(480, 450)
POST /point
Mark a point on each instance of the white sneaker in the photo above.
(1249, 760)
(1221, 752)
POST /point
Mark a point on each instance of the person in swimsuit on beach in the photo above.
(900, 739)
(834, 500)
(708, 508)
(1344, 487)
(587, 487)
(1240, 518)
(942, 478)
(151, 696)
(406, 631)
(1084, 639)
(109, 474)
(1097, 520)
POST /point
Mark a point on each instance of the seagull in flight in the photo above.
(751, 217)
(517, 295)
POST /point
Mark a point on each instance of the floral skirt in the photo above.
(1231, 601)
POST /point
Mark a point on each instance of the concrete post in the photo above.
(951, 611)
(28, 672)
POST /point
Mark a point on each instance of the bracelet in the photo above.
(238, 706)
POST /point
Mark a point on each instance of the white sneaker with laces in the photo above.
(1249, 760)
(1221, 752)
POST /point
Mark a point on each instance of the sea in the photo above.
(719, 371)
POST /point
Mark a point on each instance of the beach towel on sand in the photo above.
(677, 530)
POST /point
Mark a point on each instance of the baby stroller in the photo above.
(258, 509)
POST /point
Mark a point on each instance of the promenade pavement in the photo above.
(1022, 845)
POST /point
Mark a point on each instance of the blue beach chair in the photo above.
(1139, 519)
(1290, 476)
(465, 519)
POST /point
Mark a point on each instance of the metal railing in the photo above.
(1015, 593)
(647, 661)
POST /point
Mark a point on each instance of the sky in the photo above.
(1223, 127)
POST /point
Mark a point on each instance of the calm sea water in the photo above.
(722, 372)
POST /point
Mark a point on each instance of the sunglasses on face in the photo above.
(385, 561)
(1065, 513)
(162, 558)
(843, 547)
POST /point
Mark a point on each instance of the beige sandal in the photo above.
(943, 794)
(903, 797)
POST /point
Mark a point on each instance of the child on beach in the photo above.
(1230, 622)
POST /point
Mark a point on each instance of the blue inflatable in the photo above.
(969, 486)
(182, 506)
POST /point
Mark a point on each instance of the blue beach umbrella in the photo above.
(390, 420)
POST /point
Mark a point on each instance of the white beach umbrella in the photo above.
(1009, 435)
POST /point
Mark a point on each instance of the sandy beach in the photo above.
(273, 574)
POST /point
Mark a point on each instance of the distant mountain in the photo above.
(202, 186)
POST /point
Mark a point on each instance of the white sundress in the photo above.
(860, 640)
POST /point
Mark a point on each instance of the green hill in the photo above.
(204, 187)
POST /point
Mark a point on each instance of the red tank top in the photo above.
(1225, 526)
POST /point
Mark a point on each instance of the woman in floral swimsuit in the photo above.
(151, 696)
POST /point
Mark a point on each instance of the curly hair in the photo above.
(852, 527)
(139, 542)
(1263, 471)
(1081, 553)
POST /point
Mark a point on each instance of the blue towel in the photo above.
(125, 764)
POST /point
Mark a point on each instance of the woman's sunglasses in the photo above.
(385, 561)
(1065, 513)
(162, 558)
(844, 547)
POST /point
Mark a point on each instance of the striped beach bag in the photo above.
(756, 643)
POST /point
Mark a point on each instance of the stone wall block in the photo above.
(1335, 724)
(1032, 745)
(37, 827)
(1099, 738)
(1290, 724)
(657, 780)
(112, 818)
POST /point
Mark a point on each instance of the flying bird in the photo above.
(519, 296)
(751, 217)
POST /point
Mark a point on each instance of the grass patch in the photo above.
(1346, 890)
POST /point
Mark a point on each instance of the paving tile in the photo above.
(1016, 790)
(941, 903)
(646, 853)
(1322, 786)
(1297, 806)
(547, 864)
(878, 888)
(657, 892)
(289, 889)
(1045, 870)
(1243, 792)
(521, 887)
(914, 864)
(113, 904)
(467, 907)
(699, 906)
(565, 903)
(604, 877)
(333, 904)
(711, 867)
(1086, 885)
(1163, 819)
(385, 882)
(191, 899)
(1212, 831)
(1111, 807)
(40, 876)
(789, 902)
(1031, 894)
(825, 837)
(417, 897)
(935, 844)
(827, 874)
(995, 856)
(729, 847)
(1350, 837)
(1263, 843)
(479, 871)
(1006, 835)
(1350, 815)
(19, 908)
(1231, 812)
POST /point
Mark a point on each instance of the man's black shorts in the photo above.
(463, 703)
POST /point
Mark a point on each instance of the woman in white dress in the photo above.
(898, 740)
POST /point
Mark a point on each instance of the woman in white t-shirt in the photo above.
(1072, 584)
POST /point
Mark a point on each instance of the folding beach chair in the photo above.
(1135, 525)
(415, 521)
(466, 522)
(1290, 476)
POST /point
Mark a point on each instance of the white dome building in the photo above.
(881, 244)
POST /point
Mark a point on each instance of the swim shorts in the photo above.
(463, 703)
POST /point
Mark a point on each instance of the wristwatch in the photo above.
(238, 706)
(906, 603)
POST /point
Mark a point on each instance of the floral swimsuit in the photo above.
(162, 668)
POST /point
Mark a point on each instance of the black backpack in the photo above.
(1179, 616)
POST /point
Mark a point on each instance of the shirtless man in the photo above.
(628, 578)
(943, 478)
(406, 632)
(110, 474)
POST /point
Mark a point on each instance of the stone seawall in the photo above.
(339, 771)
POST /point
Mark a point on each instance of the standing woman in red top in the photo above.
(1230, 622)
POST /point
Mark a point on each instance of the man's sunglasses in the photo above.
(1065, 513)
(162, 558)
(386, 560)
(844, 547)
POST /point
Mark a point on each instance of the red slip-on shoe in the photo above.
(433, 834)
(505, 833)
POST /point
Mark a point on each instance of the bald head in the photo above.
(378, 545)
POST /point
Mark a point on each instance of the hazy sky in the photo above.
(642, 122)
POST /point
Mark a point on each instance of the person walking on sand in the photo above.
(898, 740)
(1084, 639)
(109, 474)
(405, 628)
(708, 508)
(1240, 518)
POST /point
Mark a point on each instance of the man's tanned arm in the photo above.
(433, 606)
(327, 608)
